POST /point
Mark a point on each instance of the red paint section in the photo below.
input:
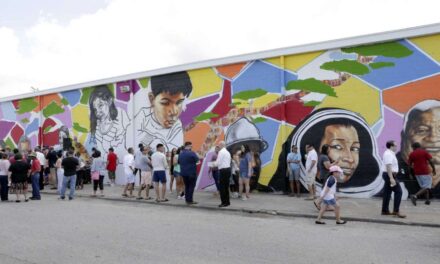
(224, 104)
(16, 104)
(51, 138)
(295, 110)
(16, 133)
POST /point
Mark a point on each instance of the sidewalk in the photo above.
(364, 210)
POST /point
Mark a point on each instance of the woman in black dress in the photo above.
(19, 172)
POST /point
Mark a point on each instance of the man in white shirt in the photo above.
(390, 170)
(223, 163)
(129, 172)
(311, 169)
(160, 165)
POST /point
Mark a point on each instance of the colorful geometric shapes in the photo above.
(313, 68)
(262, 75)
(5, 127)
(80, 115)
(10, 143)
(311, 85)
(294, 110)
(8, 111)
(52, 109)
(204, 82)
(268, 130)
(258, 102)
(16, 133)
(121, 105)
(205, 180)
(50, 136)
(294, 62)
(412, 67)
(48, 99)
(72, 97)
(387, 49)
(223, 106)
(196, 107)
(404, 97)
(429, 44)
(65, 117)
(231, 70)
(197, 135)
(269, 169)
(391, 130)
(356, 96)
(26, 105)
(123, 96)
(33, 126)
(144, 82)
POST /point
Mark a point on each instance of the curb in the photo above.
(262, 211)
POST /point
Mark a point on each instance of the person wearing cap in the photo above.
(35, 176)
(327, 197)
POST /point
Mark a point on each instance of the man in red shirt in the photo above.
(35, 176)
(112, 161)
(418, 160)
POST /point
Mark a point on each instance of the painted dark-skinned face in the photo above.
(344, 146)
(167, 108)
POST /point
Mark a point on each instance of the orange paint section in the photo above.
(404, 97)
(47, 99)
(229, 71)
(197, 135)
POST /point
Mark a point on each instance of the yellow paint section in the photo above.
(429, 44)
(204, 82)
(259, 102)
(80, 115)
(295, 62)
(269, 170)
(356, 96)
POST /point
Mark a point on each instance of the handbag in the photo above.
(95, 175)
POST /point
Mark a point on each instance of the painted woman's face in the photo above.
(102, 108)
(344, 146)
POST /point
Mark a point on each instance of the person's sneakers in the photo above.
(191, 203)
(341, 222)
(319, 222)
(413, 199)
(34, 198)
(386, 213)
(139, 198)
(70, 198)
(399, 215)
(223, 205)
(61, 198)
(427, 202)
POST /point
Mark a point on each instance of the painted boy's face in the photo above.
(167, 107)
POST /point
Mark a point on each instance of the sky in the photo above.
(52, 43)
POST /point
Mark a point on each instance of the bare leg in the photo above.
(292, 188)
(164, 189)
(156, 188)
(321, 212)
(240, 186)
(140, 190)
(172, 183)
(147, 191)
(297, 188)
(247, 187)
(311, 192)
(337, 212)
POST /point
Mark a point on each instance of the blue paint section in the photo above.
(406, 69)
(32, 127)
(8, 111)
(72, 97)
(262, 75)
(268, 131)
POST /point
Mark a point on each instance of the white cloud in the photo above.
(132, 35)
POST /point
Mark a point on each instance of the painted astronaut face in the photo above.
(102, 108)
(167, 108)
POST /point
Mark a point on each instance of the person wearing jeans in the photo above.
(70, 165)
(35, 176)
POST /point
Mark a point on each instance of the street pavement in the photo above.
(353, 209)
(89, 230)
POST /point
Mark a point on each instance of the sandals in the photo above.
(17, 201)
(341, 222)
(165, 200)
(319, 222)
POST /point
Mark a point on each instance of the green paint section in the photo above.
(9, 143)
(79, 128)
(26, 105)
(311, 85)
(205, 116)
(47, 129)
(52, 109)
(312, 103)
(85, 95)
(349, 66)
(378, 65)
(235, 103)
(64, 101)
(24, 121)
(389, 49)
(249, 94)
(144, 82)
(258, 120)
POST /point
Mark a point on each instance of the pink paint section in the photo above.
(5, 127)
(34, 141)
(391, 131)
(205, 181)
(121, 105)
(65, 118)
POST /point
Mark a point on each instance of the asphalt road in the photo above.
(97, 231)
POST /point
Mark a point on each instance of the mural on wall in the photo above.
(354, 99)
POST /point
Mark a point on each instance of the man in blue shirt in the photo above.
(188, 160)
(293, 169)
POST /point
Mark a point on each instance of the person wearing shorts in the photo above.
(293, 167)
(129, 173)
(112, 161)
(245, 166)
(160, 165)
(145, 167)
(311, 169)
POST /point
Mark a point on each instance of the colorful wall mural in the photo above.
(354, 99)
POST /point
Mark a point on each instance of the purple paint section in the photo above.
(205, 181)
(5, 127)
(196, 108)
(120, 95)
(33, 140)
(135, 86)
(65, 118)
(121, 105)
(23, 116)
(391, 130)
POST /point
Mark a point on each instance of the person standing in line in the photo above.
(42, 159)
(327, 197)
(293, 168)
(311, 169)
(137, 161)
(223, 163)
(160, 165)
(245, 171)
(35, 176)
(129, 171)
(145, 166)
(213, 170)
(180, 186)
(171, 165)
(4, 171)
(59, 171)
(419, 160)
(188, 160)
(19, 173)
(112, 161)
(52, 159)
(70, 164)
(390, 169)
(235, 174)
(97, 171)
